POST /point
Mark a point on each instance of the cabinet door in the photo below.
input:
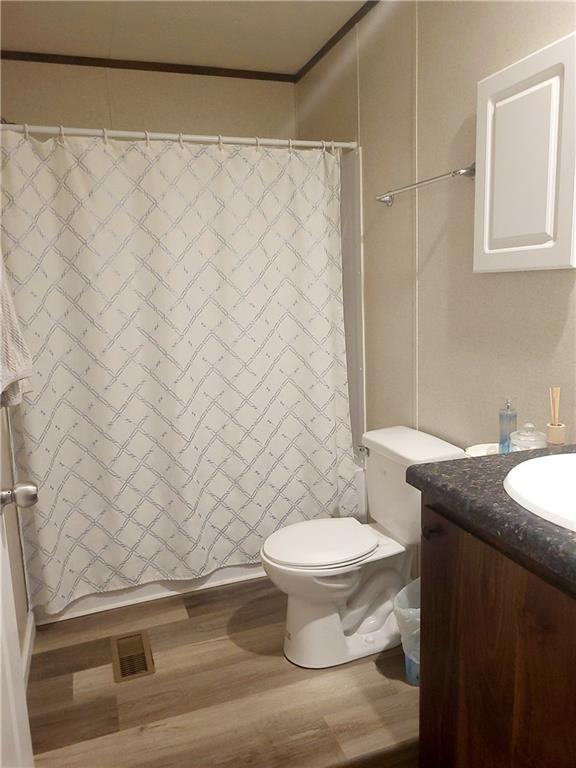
(498, 658)
(438, 673)
(525, 163)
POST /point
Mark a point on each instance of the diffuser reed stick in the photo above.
(556, 430)
(555, 406)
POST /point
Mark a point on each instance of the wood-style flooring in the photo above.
(222, 696)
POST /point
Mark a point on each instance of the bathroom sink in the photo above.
(546, 486)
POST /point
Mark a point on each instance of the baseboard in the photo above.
(107, 601)
(28, 645)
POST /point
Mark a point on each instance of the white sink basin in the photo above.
(547, 487)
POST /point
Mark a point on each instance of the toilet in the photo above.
(340, 575)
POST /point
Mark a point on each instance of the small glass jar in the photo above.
(527, 438)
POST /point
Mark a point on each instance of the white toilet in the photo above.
(340, 575)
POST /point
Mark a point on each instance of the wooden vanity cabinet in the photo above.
(498, 657)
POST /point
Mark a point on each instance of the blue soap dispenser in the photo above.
(508, 424)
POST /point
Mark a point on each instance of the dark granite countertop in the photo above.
(471, 494)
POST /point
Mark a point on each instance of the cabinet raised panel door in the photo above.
(498, 658)
(526, 163)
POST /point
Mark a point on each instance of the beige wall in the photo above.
(481, 337)
(364, 89)
(89, 97)
(13, 534)
(327, 98)
(444, 346)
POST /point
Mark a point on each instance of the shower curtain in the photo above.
(183, 305)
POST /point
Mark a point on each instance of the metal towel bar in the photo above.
(388, 197)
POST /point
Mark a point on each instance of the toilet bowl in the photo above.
(340, 575)
(338, 610)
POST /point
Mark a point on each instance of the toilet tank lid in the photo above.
(410, 446)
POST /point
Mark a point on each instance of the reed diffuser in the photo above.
(556, 430)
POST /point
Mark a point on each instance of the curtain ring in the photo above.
(324, 147)
(333, 147)
(26, 131)
(105, 136)
(258, 143)
(220, 143)
(147, 139)
(181, 140)
(61, 139)
(290, 146)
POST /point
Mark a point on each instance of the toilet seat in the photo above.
(326, 543)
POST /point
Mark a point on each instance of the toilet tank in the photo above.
(392, 503)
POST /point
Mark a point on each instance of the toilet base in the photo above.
(338, 614)
(315, 637)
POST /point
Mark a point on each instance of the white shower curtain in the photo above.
(183, 305)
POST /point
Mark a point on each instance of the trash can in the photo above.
(407, 612)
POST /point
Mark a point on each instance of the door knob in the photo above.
(23, 495)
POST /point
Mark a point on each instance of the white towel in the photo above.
(15, 360)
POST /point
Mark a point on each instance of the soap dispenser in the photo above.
(508, 424)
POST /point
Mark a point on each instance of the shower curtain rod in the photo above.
(104, 133)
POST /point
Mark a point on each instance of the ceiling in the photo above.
(260, 35)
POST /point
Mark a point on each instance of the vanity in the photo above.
(498, 636)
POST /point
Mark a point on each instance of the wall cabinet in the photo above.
(498, 658)
(525, 163)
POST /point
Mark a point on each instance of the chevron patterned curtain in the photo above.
(183, 305)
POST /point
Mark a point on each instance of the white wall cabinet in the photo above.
(526, 164)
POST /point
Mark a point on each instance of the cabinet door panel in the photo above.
(544, 732)
(498, 658)
(526, 163)
(490, 589)
(523, 155)
(438, 653)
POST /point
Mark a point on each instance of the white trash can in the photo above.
(407, 612)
